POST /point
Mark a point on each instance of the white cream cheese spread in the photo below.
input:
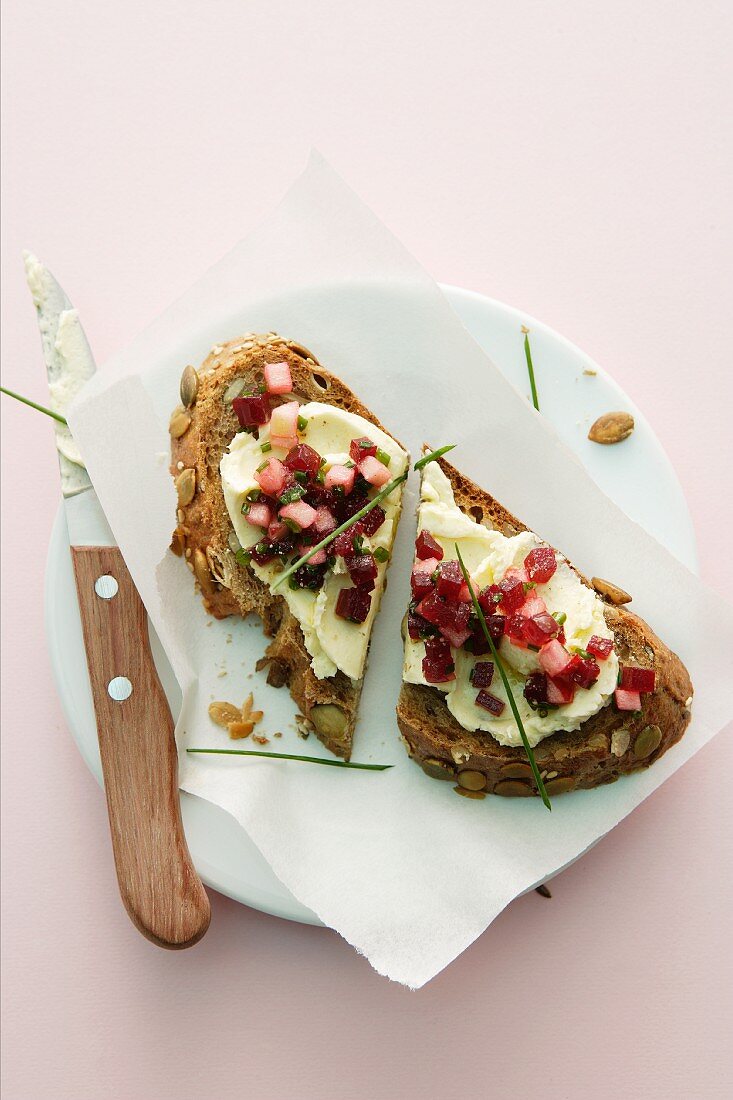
(332, 642)
(488, 554)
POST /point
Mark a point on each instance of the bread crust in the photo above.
(608, 745)
(205, 537)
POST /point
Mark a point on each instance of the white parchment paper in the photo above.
(403, 869)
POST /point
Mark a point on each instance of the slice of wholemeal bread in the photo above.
(607, 745)
(200, 434)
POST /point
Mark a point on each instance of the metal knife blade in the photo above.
(69, 364)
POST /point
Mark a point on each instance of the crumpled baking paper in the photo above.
(403, 869)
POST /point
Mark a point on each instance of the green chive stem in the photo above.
(290, 756)
(499, 664)
(530, 369)
(385, 492)
(33, 405)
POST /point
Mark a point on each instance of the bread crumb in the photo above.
(277, 735)
(260, 740)
(590, 373)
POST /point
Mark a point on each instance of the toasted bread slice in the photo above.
(200, 434)
(607, 745)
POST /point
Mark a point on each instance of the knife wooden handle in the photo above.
(158, 882)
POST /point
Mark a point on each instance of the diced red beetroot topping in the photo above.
(361, 448)
(489, 598)
(535, 689)
(341, 477)
(514, 629)
(428, 547)
(278, 378)
(353, 604)
(450, 579)
(482, 674)
(554, 659)
(263, 552)
(437, 664)
(583, 671)
(259, 515)
(450, 619)
(638, 679)
(421, 582)
(252, 411)
(489, 702)
(477, 644)
(372, 521)
(417, 627)
(540, 629)
(362, 570)
(540, 564)
(300, 513)
(496, 625)
(325, 521)
(347, 506)
(559, 692)
(600, 647)
(303, 458)
(273, 478)
(627, 700)
(374, 471)
(512, 594)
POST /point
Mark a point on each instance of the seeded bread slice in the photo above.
(201, 430)
(608, 745)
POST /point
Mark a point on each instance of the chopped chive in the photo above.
(381, 554)
(507, 687)
(263, 466)
(530, 368)
(245, 508)
(242, 556)
(349, 464)
(290, 756)
(433, 456)
(34, 405)
(253, 495)
(266, 446)
(559, 616)
(293, 526)
(301, 476)
(383, 457)
(302, 423)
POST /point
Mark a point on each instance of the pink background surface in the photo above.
(570, 159)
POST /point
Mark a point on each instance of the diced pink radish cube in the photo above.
(318, 558)
(273, 477)
(553, 658)
(627, 700)
(533, 606)
(374, 471)
(520, 574)
(464, 594)
(341, 477)
(278, 378)
(559, 693)
(426, 565)
(325, 521)
(284, 425)
(299, 512)
(259, 515)
(277, 530)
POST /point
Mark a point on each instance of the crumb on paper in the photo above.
(590, 373)
(260, 740)
(277, 735)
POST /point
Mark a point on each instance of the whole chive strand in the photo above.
(530, 368)
(34, 405)
(510, 696)
(290, 756)
(385, 492)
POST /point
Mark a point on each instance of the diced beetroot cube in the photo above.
(353, 604)
(343, 544)
(303, 458)
(417, 627)
(540, 629)
(600, 647)
(277, 531)
(489, 598)
(318, 558)
(340, 477)
(278, 378)
(554, 659)
(450, 579)
(477, 643)
(421, 582)
(325, 521)
(259, 515)
(559, 692)
(583, 671)
(535, 689)
(533, 606)
(361, 448)
(437, 664)
(253, 411)
(627, 700)
(362, 570)
(482, 674)
(489, 702)
(450, 619)
(456, 635)
(300, 513)
(540, 564)
(374, 471)
(428, 547)
(272, 479)
(373, 520)
(514, 629)
(512, 594)
(496, 625)
(263, 552)
(638, 679)
(347, 506)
